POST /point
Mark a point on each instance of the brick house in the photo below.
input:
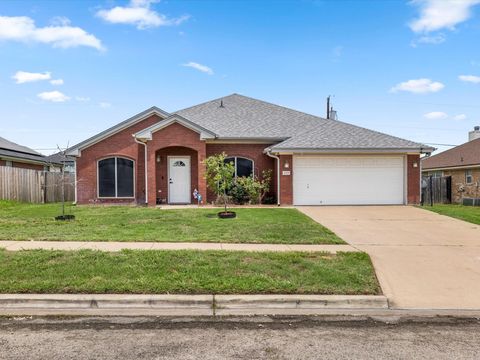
(19, 156)
(462, 163)
(157, 157)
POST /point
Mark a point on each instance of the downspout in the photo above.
(145, 165)
(269, 153)
(75, 179)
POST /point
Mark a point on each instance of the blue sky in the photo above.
(69, 69)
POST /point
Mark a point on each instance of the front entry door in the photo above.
(179, 180)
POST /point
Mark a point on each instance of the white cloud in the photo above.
(441, 14)
(139, 13)
(22, 77)
(56, 82)
(104, 105)
(199, 67)
(429, 39)
(53, 96)
(435, 115)
(418, 86)
(23, 28)
(82, 98)
(470, 78)
(460, 117)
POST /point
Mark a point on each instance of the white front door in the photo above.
(179, 179)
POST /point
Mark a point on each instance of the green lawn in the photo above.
(186, 272)
(127, 223)
(467, 213)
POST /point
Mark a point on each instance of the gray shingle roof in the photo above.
(244, 117)
(9, 145)
(19, 155)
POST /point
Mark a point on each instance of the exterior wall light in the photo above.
(286, 165)
(158, 158)
(415, 164)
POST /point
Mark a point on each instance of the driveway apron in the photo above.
(422, 259)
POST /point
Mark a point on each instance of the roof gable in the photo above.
(467, 154)
(76, 149)
(146, 134)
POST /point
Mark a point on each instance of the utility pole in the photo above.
(328, 107)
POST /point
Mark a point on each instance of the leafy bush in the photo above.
(219, 175)
(254, 188)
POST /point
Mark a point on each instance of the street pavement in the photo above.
(133, 338)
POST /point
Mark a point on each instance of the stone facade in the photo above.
(460, 189)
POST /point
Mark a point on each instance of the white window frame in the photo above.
(9, 163)
(468, 176)
(241, 157)
(116, 184)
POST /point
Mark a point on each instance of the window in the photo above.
(8, 163)
(243, 166)
(115, 178)
(437, 174)
(468, 176)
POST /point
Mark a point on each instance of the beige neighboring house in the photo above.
(462, 163)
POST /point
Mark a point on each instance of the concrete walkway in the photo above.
(119, 245)
(422, 259)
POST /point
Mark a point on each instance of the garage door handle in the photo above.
(308, 186)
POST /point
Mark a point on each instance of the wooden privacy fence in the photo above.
(436, 190)
(35, 186)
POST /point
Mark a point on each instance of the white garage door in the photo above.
(348, 180)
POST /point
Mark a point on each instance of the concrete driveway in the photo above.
(422, 259)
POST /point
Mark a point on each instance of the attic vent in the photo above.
(221, 103)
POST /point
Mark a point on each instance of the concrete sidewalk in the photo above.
(114, 246)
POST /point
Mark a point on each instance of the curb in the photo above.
(184, 305)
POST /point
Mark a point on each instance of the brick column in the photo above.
(286, 181)
(413, 179)
(152, 179)
(202, 181)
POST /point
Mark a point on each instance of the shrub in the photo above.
(219, 175)
(255, 188)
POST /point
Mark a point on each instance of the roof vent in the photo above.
(475, 134)
(221, 103)
(332, 114)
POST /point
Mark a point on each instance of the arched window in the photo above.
(116, 178)
(243, 166)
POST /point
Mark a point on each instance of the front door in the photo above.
(179, 179)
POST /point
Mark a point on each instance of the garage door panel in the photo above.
(348, 180)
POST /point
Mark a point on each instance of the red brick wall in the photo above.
(174, 135)
(3, 163)
(286, 181)
(27, 166)
(162, 170)
(251, 151)
(119, 144)
(413, 179)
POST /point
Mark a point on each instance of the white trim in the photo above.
(76, 191)
(452, 168)
(146, 167)
(286, 151)
(76, 150)
(189, 175)
(116, 184)
(405, 180)
(22, 161)
(223, 140)
(278, 175)
(146, 134)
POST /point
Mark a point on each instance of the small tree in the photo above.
(219, 175)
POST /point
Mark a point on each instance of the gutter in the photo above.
(268, 152)
(145, 165)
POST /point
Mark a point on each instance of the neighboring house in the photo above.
(462, 163)
(157, 157)
(59, 160)
(19, 156)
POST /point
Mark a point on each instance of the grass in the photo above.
(20, 221)
(466, 213)
(185, 272)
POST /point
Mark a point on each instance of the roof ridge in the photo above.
(458, 147)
